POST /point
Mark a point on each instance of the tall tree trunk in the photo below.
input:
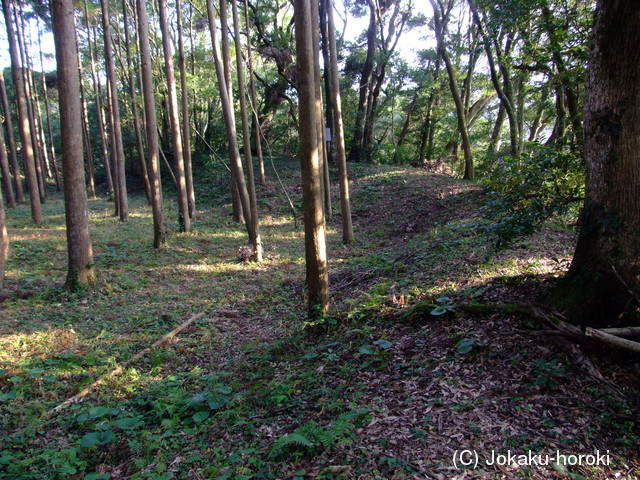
(119, 167)
(505, 93)
(328, 109)
(134, 103)
(186, 130)
(602, 285)
(230, 123)
(246, 137)
(405, 128)
(356, 153)
(87, 140)
(257, 129)
(314, 222)
(23, 117)
(81, 270)
(322, 154)
(13, 155)
(4, 241)
(455, 91)
(238, 208)
(494, 140)
(27, 78)
(174, 120)
(97, 90)
(151, 125)
(6, 176)
(338, 128)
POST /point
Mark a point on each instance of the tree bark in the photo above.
(97, 90)
(257, 129)
(81, 271)
(134, 103)
(338, 128)
(356, 153)
(23, 117)
(314, 222)
(230, 123)
(174, 120)
(4, 241)
(186, 129)
(151, 125)
(114, 104)
(6, 176)
(455, 91)
(246, 137)
(602, 285)
(13, 155)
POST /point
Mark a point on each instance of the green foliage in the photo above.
(445, 305)
(526, 190)
(548, 372)
(466, 345)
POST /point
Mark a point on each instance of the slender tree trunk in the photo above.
(87, 141)
(505, 94)
(405, 128)
(314, 222)
(338, 128)
(246, 137)
(26, 78)
(328, 110)
(134, 103)
(230, 124)
(356, 153)
(238, 208)
(322, 154)
(81, 270)
(257, 129)
(151, 125)
(6, 177)
(15, 166)
(455, 91)
(23, 118)
(97, 90)
(186, 130)
(602, 285)
(118, 148)
(52, 150)
(174, 120)
(494, 140)
(4, 241)
(537, 123)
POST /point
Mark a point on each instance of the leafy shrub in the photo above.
(526, 190)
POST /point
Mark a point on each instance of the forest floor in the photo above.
(379, 389)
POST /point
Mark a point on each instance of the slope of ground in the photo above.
(378, 389)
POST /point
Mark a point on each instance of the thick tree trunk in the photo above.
(174, 118)
(603, 281)
(81, 270)
(338, 128)
(23, 117)
(246, 138)
(13, 155)
(186, 129)
(314, 222)
(151, 125)
(119, 167)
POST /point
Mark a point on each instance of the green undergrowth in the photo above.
(251, 389)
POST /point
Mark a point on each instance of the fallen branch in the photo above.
(622, 331)
(613, 340)
(122, 367)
